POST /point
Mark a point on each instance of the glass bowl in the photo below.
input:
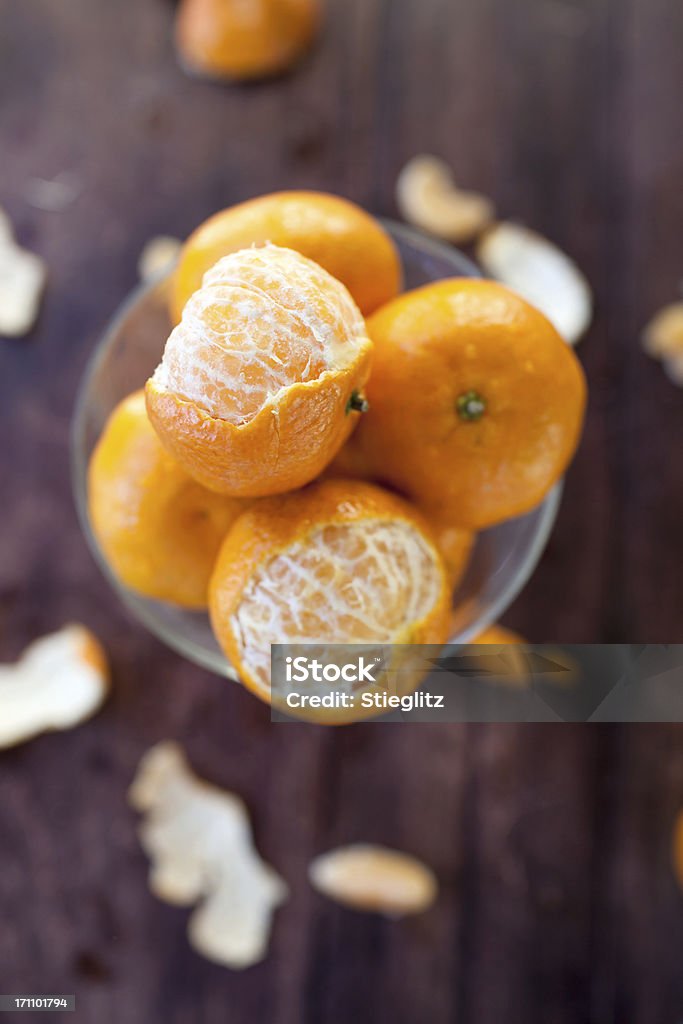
(503, 557)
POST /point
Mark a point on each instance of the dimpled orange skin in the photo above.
(158, 530)
(228, 39)
(345, 240)
(442, 342)
(277, 523)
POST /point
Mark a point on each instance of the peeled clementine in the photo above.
(476, 402)
(242, 39)
(158, 529)
(340, 562)
(260, 383)
(345, 240)
(454, 542)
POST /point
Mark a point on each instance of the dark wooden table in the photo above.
(552, 843)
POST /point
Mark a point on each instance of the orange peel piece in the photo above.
(663, 339)
(22, 280)
(541, 273)
(374, 878)
(429, 198)
(59, 681)
(158, 257)
(199, 840)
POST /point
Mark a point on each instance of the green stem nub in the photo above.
(471, 406)
(357, 403)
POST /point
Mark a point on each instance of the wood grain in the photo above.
(551, 842)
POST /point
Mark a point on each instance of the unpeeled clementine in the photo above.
(476, 402)
(158, 529)
(340, 236)
(242, 39)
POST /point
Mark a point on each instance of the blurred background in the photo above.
(552, 844)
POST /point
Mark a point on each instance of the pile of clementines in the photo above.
(316, 450)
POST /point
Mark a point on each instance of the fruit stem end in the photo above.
(357, 403)
(471, 406)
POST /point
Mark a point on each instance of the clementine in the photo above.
(260, 384)
(340, 562)
(476, 402)
(158, 529)
(345, 240)
(242, 39)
